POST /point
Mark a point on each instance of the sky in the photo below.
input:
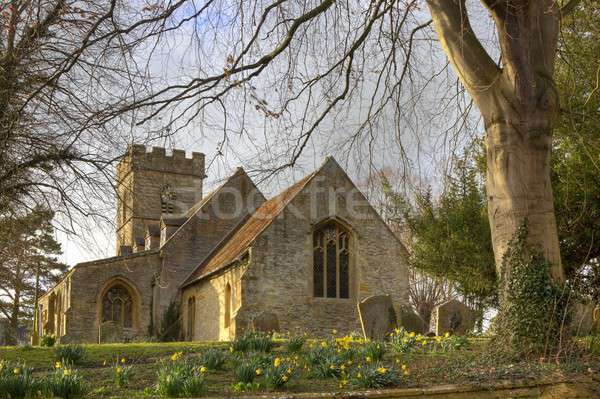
(415, 147)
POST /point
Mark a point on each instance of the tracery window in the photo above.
(117, 306)
(331, 261)
(167, 198)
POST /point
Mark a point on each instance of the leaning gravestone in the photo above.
(266, 322)
(377, 316)
(411, 321)
(454, 317)
(111, 332)
(583, 318)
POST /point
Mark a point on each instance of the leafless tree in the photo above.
(65, 66)
(306, 66)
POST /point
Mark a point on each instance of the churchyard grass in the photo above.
(332, 364)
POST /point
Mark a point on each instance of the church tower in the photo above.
(151, 185)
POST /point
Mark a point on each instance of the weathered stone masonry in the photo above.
(230, 256)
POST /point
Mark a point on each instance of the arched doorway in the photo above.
(191, 318)
(227, 305)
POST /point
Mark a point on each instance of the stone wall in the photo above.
(204, 230)
(210, 297)
(80, 309)
(278, 278)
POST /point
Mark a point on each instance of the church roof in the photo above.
(199, 206)
(239, 240)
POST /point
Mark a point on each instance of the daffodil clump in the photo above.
(213, 359)
(328, 358)
(121, 372)
(71, 354)
(16, 381)
(449, 343)
(295, 343)
(373, 375)
(66, 382)
(278, 374)
(252, 342)
(374, 350)
(180, 376)
(246, 371)
(402, 341)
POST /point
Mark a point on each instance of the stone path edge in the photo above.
(429, 392)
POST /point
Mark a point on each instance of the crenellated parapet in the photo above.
(140, 157)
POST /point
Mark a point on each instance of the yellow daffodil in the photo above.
(57, 365)
(17, 371)
(123, 360)
(332, 367)
(284, 378)
(368, 359)
(258, 371)
(404, 367)
(324, 344)
(447, 335)
(359, 375)
(119, 369)
(382, 370)
(412, 334)
(203, 369)
(176, 356)
(66, 372)
(343, 367)
(277, 362)
(334, 331)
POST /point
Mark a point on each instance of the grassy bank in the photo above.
(335, 364)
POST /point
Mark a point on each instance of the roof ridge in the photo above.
(197, 207)
(297, 187)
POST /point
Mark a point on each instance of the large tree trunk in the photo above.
(519, 191)
(518, 103)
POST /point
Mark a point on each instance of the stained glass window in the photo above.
(331, 262)
(117, 306)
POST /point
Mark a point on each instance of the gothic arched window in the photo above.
(117, 306)
(331, 261)
(167, 198)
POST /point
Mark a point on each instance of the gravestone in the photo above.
(411, 321)
(586, 318)
(266, 322)
(377, 316)
(454, 317)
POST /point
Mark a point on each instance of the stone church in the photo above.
(305, 257)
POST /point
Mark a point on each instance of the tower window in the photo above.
(167, 199)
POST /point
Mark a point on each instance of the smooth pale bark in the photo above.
(518, 103)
